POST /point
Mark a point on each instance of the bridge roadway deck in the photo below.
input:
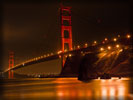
(56, 56)
(89, 49)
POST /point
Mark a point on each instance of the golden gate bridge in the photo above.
(67, 47)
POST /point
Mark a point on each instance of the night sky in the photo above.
(32, 29)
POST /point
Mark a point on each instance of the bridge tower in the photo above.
(11, 64)
(66, 30)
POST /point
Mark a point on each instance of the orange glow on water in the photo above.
(69, 89)
(60, 93)
(112, 91)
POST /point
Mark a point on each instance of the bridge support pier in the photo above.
(63, 59)
(11, 64)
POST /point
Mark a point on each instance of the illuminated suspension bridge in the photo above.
(106, 45)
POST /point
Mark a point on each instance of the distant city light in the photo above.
(105, 39)
(109, 47)
(95, 42)
(78, 46)
(118, 35)
(86, 45)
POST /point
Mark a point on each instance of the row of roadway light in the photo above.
(103, 42)
(115, 40)
(78, 47)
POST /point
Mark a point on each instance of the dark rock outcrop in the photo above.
(71, 67)
(86, 69)
(91, 65)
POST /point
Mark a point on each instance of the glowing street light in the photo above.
(109, 47)
(115, 39)
(70, 55)
(128, 36)
(101, 49)
(121, 50)
(117, 46)
(59, 52)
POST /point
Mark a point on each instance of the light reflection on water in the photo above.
(65, 89)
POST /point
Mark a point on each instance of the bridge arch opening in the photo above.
(66, 34)
(66, 23)
(65, 12)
